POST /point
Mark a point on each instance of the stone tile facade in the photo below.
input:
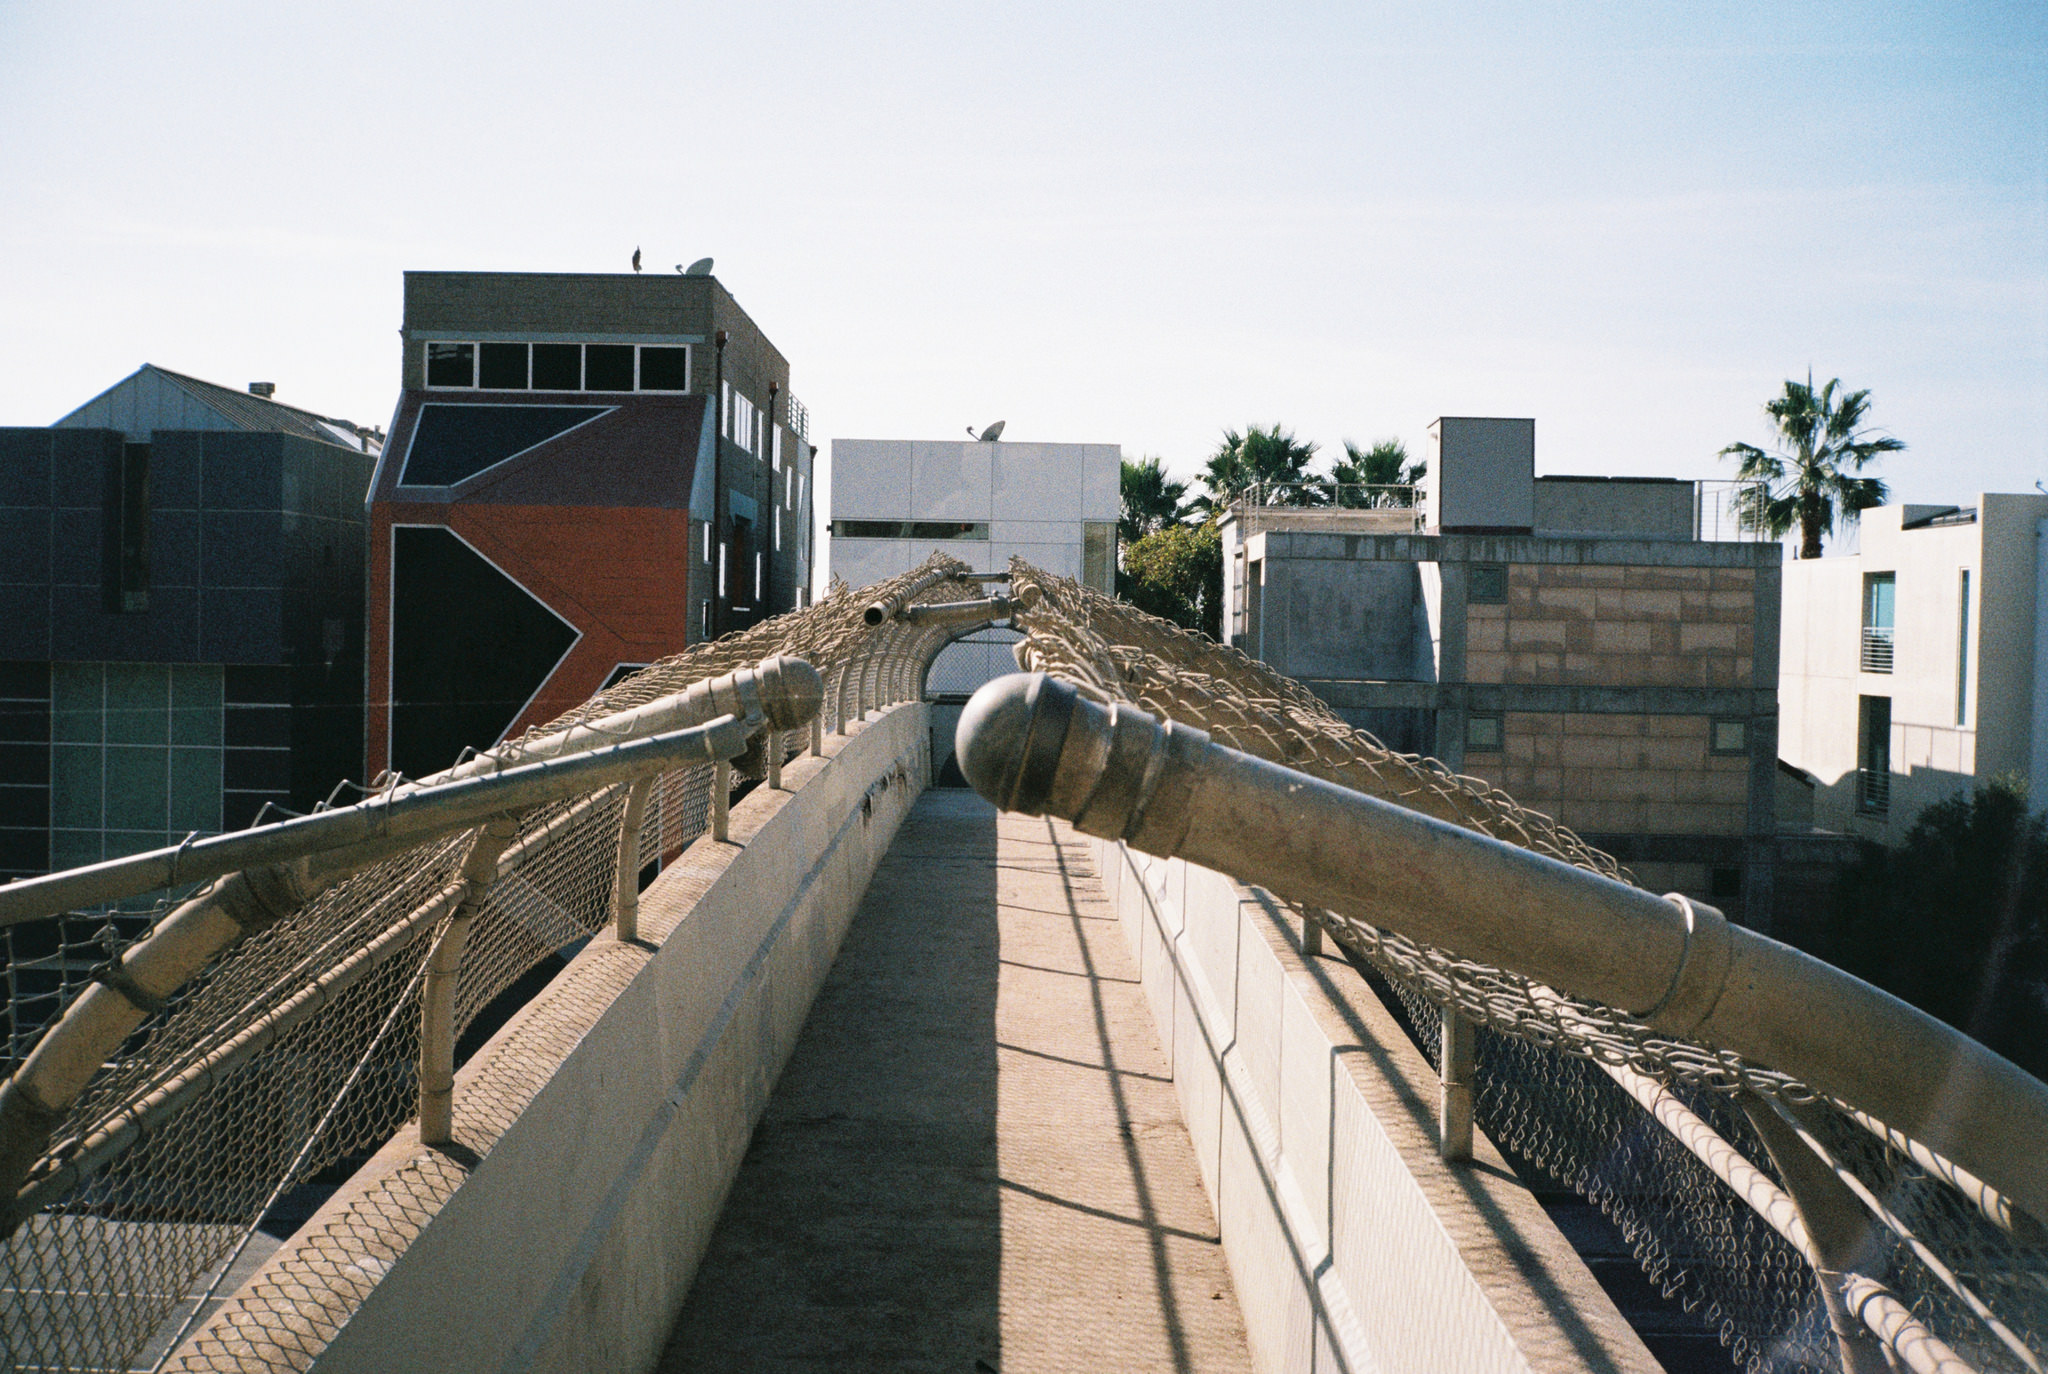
(1630, 626)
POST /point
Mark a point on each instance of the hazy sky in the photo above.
(1102, 222)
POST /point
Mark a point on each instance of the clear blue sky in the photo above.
(1111, 223)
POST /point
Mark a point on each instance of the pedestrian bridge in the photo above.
(697, 1030)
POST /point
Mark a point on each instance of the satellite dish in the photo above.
(992, 433)
(700, 268)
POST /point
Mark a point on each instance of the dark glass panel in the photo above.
(502, 366)
(664, 369)
(452, 442)
(608, 367)
(558, 367)
(451, 364)
(469, 648)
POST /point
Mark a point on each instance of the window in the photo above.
(1488, 585)
(664, 369)
(557, 367)
(1874, 754)
(1879, 594)
(451, 364)
(1963, 651)
(608, 367)
(909, 529)
(501, 366)
(704, 619)
(125, 566)
(1098, 555)
(1728, 737)
(778, 527)
(1725, 883)
(1482, 734)
(721, 569)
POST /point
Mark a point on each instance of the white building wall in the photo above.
(1936, 750)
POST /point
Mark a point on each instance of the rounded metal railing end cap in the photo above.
(792, 692)
(874, 615)
(1009, 738)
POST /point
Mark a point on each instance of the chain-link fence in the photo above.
(1552, 1074)
(296, 1054)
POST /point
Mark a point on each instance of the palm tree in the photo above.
(1385, 464)
(1270, 463)
(1151, 500)
(1811, 479)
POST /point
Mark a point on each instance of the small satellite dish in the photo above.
(700, 268)
(992, 433)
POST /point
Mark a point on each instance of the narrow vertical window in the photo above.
(1963, 651)
(1874, 754)
(125, 565)
(1879, 599)
(757, 577)
(721, 570)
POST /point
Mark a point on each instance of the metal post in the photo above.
(771, 747)
(437, 998)
(626, 886)
(721, 797)
(1454, 1088)
(1311, 933)
(817, 736)
(1842, 1240)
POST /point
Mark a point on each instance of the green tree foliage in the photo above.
(1177, 573)
(1385, 464)
(1270, 460)
(1955, 921)
(1151, 500)
(1811, 480)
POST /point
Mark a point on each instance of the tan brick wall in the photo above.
(1637, 774)
(1616, 627)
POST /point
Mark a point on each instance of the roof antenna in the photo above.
(700, 268)
(636, 259)
(989, 435)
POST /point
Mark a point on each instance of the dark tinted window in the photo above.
(608, 367)
(452, 442)
(469, 647)
(451, 364)
(1489, 585)
(558, 367)
(664, 369)
(502, 366)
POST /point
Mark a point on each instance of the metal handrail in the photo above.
(1031, 743)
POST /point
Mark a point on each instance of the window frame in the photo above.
(1714, 746)
(1475, 596)
(1498, 720)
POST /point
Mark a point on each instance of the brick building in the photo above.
(1565, 638)
(585, 473)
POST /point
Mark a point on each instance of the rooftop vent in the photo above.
(264, 389)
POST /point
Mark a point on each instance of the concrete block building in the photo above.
(1566, 638)
(585, 473)
(181, 617)
(1918, 666)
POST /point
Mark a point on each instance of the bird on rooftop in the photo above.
(636, 259)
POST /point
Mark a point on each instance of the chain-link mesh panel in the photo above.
(1541, 1093)
(317, 1019)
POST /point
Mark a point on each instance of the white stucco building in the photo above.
(894, 501)
(1919, 666)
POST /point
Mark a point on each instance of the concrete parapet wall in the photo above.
(597, 1133)
(1352, 1245)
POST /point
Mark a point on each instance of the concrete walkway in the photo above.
(974, 1161)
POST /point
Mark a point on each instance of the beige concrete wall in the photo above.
(1351, 1244)
(598, 1132)
(1644, 774)
(1616, 626)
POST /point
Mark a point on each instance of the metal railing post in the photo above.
(721, 797)
(626, 886)
(1842, 1240)
(817, 736)
(1457, 1055)
(444, 965)
(771, 747)
(1311, 933)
